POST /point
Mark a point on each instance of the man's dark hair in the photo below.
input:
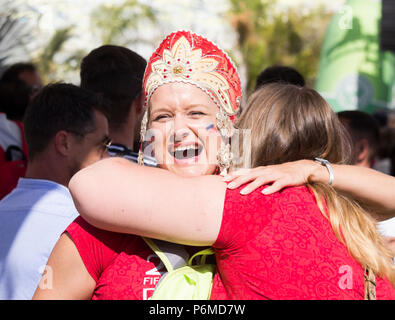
(362, 125)
(12, 72)
(57, 107)
(280, 74)
(117, 73)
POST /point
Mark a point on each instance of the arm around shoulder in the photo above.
(371, 187)
(120, 196)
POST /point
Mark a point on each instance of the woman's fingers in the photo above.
(257, 177)
(255, 184)
(236, 174)
(281, 176)
(241, 177)
(237, 182)
(276, 186)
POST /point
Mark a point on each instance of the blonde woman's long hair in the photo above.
(290, 123)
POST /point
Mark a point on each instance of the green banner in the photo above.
(354, 73)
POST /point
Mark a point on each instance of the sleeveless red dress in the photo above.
(281, 247)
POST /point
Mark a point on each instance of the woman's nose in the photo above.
(180, 130)
(180, 135)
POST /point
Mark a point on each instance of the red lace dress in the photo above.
(282, 247)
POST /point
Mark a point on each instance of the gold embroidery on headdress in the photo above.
(183, 63)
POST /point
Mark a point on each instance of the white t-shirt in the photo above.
(32, 218)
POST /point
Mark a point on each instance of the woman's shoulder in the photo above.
(261, 208)
(289, 203)
(82, 232)
(292, 194)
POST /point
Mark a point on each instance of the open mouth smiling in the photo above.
(185, 151)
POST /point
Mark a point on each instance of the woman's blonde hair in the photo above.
(290, 123)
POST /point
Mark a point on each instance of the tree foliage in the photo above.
(13, 30)
(270, 35)
(117, 24)
(46, 58)
(110, 24)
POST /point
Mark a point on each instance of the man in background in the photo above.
(25, 72)
(66, 130)
(365, 134)
(281, 74)
(18, 85)
(117, 73)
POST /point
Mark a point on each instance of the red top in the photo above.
(123, 266)
(11, 171)
(282, 247)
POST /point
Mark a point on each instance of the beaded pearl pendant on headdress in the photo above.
(186, 57)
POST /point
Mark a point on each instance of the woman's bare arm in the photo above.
(117, 195)
(373, 188)
(66, 277)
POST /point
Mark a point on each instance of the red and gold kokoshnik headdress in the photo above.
(186, 57)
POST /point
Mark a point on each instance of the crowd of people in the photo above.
(287, 193)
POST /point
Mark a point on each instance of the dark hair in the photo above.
(281, 74)
(12, 72)
(57, 107)
(14, 98)
(362, 125)
(117, 73)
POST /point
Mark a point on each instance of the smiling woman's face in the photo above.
(182, 119)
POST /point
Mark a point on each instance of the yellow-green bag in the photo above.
(185, 282)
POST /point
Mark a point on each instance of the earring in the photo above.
(143, 130)
(224, 154)
(224, 157)
(224, 124)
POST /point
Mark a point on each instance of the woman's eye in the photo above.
(160, 117)
(196, 113)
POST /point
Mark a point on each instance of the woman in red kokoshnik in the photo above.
(306, 242)
(192, 93)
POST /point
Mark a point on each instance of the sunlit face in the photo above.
(183, 122)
